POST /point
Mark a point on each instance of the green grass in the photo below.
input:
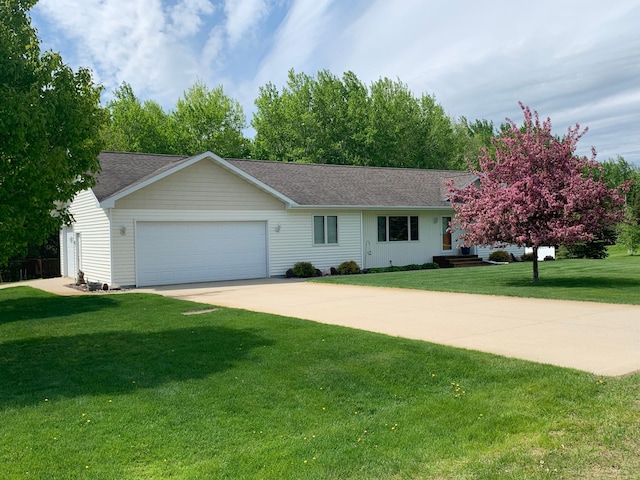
(124, 386)
(615, 279)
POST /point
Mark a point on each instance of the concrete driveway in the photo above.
(596, 337)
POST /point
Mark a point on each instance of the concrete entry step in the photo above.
(458, 261)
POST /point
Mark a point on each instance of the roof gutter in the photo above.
(370, 207)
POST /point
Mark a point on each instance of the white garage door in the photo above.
(185, 252)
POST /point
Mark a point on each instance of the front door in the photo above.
(447, 245)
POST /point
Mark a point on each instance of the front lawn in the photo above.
(615, 279)
(108, 386)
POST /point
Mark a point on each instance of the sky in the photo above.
(576, 62)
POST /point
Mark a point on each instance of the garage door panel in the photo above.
(185, 252)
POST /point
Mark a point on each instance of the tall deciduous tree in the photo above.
(50, 119)
(138, 127)
(617, 172)
(326, 119)
(204, 119)
(535, 191)
(207, 119)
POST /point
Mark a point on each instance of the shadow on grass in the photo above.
(25, 303)
(116, 362)
(20, 309)
(578, 282)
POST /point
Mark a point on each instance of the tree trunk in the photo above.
(535, 264)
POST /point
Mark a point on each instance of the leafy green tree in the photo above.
(339, 107)
(476, 137)
(203, 120)
(326, 119)
(50, 120)
(270, 142)
(629, 232)
(394, 125)
(323, 120)
(207, 119)
(138, 127)
(285, 123)
(617, 172)
(444, 145)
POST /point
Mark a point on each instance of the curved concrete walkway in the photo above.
(596, 337)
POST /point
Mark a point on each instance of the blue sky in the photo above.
(572, 61)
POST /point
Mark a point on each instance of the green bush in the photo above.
(413, 266)
(596, 249)
(304, 270)
(527, 257)
(500, 256)
(430, 266)
(348, 268)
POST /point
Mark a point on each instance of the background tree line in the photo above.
(312, 119)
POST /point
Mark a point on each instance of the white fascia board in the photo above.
(254, 181)
(110, 202)
(370, 207)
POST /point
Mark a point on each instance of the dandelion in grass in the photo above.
(457, 389)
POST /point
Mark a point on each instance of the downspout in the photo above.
(110, 219)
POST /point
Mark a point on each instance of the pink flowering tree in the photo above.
(534, 191)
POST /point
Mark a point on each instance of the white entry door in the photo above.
(188, 252)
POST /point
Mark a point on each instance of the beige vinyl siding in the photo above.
(124, 266)
(290, 243)
(294, 242)
(92, 223)
(384, 254)
(201, 186)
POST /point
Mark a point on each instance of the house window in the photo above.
(398, 229)
(325, 229)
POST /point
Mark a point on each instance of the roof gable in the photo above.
(297, 184)
(120, 171)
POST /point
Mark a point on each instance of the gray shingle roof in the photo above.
(120, 171)
(305, 184)
(345, 185)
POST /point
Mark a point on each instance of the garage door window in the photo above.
(325, 229)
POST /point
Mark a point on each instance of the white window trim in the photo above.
(387, 233)
(325, 242)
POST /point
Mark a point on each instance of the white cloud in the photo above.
(242, 16)
(297, 39)
(187, 16)
(133, 41)
(213, 46)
